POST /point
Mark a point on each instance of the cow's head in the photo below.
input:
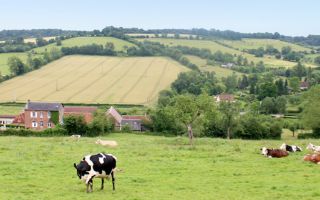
(264, 151)
(82, 169)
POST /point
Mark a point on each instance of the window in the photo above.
(49, 114)
(41, 123)
(34, 124)
(49, 124)
(33, 114)
(41, 114)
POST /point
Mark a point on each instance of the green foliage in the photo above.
(311, 111)
(55, 117)
(57, 131)
(101, 124)
(75, 124)
(231, 83)
(294, 83)
(16, 66)
(196, 82)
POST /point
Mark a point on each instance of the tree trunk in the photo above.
(190, 133)
(293, 133)
(228, 133)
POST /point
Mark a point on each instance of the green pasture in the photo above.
(81, 41)
(156, 167)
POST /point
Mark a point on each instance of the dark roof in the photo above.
(8, 116)
(43, 106)
(80, 109)
(304, 84)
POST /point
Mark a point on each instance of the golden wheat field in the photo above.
(94, 79)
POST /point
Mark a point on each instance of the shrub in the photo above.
(57, 131)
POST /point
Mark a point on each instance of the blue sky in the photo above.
(289, 17)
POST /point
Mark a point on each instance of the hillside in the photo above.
(81, 41)
(219, 71)
(4, 68)
(257, 43)
(214, 46)
(155, 166)
(94, 79)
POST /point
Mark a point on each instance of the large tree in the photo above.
(188, 108)
(16, 66)
(230, 113)
(311, 111)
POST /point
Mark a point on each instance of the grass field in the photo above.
(81, 41)
(214, 46)
(4, 68)
(156, 167)
(220, 72)
(10, 109)
(94, 79)
(257, 43)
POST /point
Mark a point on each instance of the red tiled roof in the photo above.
(80, 109)
(19, 119)
(8, 116)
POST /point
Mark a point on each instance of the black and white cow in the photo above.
(96, 166)
(290, 148)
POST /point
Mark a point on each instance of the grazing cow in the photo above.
(109, 143)
(313, 147)
(290, 148)
(315, 158)
(96, 166)
(273, 153)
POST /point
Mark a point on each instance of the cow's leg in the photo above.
(91, 185)
(102, 183)
(112, 175)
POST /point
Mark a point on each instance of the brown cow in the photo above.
(273, 153)
(315, 158)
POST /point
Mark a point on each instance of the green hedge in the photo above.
(28, 132)
(308, 136)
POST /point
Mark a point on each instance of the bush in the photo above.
(308, 135)
(57, 131)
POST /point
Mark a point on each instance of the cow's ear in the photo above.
(75, 166)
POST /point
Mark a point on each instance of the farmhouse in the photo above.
(6, 119)
(42, 115)
(304, 85)
(225, 98)
(86, 111)
(134, 122)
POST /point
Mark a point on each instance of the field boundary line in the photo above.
(157, 83)
(97, 79)
(137, 81)
(45, 85)
(115, 81)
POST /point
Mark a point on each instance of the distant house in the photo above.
(134, 122)
(304, 85)
(227, 65)
(6, 119)
(225, 98)
(86, 111)
(41, 115)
